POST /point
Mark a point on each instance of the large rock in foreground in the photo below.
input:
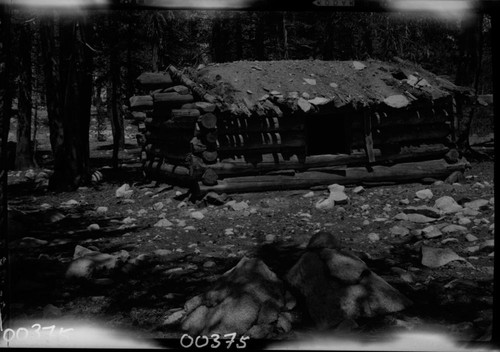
(337, 285)
(249, 300)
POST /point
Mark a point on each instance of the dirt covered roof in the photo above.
(332, 83)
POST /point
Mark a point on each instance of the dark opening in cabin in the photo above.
(327, 133)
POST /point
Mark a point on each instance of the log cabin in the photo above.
(257, 126)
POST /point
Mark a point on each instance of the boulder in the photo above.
(447, 205)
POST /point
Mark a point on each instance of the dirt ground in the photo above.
(455, 298)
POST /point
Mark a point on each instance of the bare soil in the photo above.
(140, 300)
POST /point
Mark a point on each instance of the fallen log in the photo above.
(179, 124)
(400, 173)
(197, 90)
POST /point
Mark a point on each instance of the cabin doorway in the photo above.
(328, 134)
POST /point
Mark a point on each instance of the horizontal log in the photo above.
(407, 172)
(231, 167)
(170, 154)
(155, 80)
(180, 114)
(184, 124)
(173, 138)
(138, 102)
(178, 89)
(166, 101)
(197, 90)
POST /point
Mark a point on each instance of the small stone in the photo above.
(128, 220)
(464, 221)
(158, 206)
(45, 206)
(447, 205)
(162, 252)
(189, 228)
(399, 231)
(472, 249)
(124, 191)
(431, 232)
(470, 212)
(366, 223)
(270, 238)
(358, 189)
(419, 218)
(101, 210)
(229, 231)
(308, 194)
(478, 185)
(405, 201)
(93, 227)
(477, 204)
(175, 318)
(373, 237)
(365, 207)
(181, 205)
(470, 237)
(401, 216)
(198, 215)
(450, 239)
(492, 201)
(453, 228)
(163, 223)
(424, 194)
(209, 264)
(70, 203)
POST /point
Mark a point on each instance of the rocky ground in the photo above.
(126, 254)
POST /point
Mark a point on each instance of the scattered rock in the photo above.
(453, 228)
(470, 212)
(424, 194)
(101, 210)
(337, 285)
(214, 198)
(431, 232)
(242, 301)
(419, 218)
(209, 264)
(70, 203)
(319, 101)
(437, 257)
(237, 206)
(358, 189)
(464, 221)
(124, 191)
(45, 206)
(447, 205)
(163, 223)
(373, 237)
(399, 231)
(477, 204)
(158, 206)
(308, 194)
(270, 238)
(424, 210)
(93, 227)
(396, 101)
(455, 177)
(449, 239)
(128, 220)
(401, 216)
(358, 65)
(405, 201)
(310, 81)
(81, 251)
(162, 252)
(304, 105)
(198, 215)
(174, 318)
(471, 238)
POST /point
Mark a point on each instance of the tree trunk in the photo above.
(5, 113)
(259, 49)
(48, 30)
(285, 36)
(469, 70)
(69, 100)
(24, 155)
(117, 125)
